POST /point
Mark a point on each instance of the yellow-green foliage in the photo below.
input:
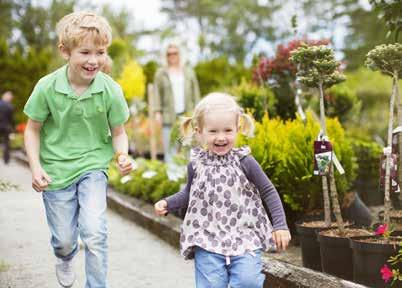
(255, 99)
(373, 89)
(148, 189)
(285, 152)
(132, 81)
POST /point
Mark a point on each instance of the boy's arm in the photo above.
(268, 193)
(40, 179)
(120, 146)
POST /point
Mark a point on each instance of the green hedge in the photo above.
(255, 99)
(284, 150)
(149, 189)
(367, 181)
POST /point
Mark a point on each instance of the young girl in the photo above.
(226, 226)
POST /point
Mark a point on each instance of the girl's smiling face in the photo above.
(219, 130)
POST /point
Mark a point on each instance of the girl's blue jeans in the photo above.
(213, 270)
(81, 209)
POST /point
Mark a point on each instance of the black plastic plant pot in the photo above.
(336, 256)
(310, 248)
(369, 258)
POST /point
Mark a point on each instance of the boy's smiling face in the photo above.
(85, 60)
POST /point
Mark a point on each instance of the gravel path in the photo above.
(136, 257)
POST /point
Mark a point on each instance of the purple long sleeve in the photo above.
(254, 174)
(180, 199)
(267, 190)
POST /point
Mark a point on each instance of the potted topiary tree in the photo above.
(387, 59)
(318, 69)
(279, 73)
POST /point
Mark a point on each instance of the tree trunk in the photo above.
(327, 207)
(151, 115)
(399, 99)
(322, 111)
(387, 201)
(335, 201)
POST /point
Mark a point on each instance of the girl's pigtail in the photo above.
(186, 130)
(247, 125)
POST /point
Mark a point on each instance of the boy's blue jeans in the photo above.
(81, 208)
(212, 270)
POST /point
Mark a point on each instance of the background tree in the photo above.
(279, 73)
(132, 81)
(388, 59)
(218, 72)
(232, 28)
(318, 69)
(391, 14)
(350, 19)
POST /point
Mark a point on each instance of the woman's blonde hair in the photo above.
(74, 27)
(211, 102)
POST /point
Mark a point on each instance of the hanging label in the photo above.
(394, 184)
(322, 157)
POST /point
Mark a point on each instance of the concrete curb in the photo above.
(278, 273)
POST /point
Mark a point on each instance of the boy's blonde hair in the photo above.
(74, 27)
(211, 102)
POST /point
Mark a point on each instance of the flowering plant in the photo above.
(20, 128)
(270, 69)
(387, 273)
(383, 230)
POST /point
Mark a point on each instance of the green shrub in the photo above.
(373, 90)
(17, 141)
(368, 158)
(148, 189)
(340, 102)
(284, 150)
(255, 99)
(217, 73)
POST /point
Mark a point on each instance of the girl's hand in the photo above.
(281, 238)
(161, 208)
(124, 164)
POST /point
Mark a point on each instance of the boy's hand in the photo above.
(124, 164)
(281, 238)
(40, 180)
(161, 207)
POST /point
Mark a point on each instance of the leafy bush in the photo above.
(132, 81)
(217, 73)
(373, 90)
(16, 141)
(284, 150)
(149, 189)
(340, 102)
(368, 159)
(256, 99)
(280, 73)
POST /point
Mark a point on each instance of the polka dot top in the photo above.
(225, 212)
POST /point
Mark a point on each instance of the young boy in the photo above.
(76, 116)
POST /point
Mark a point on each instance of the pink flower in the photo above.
(381, 229)
(386, 273)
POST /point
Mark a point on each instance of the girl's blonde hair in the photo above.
(74, 27)
(211, 102)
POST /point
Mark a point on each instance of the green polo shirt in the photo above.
(75, 135)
